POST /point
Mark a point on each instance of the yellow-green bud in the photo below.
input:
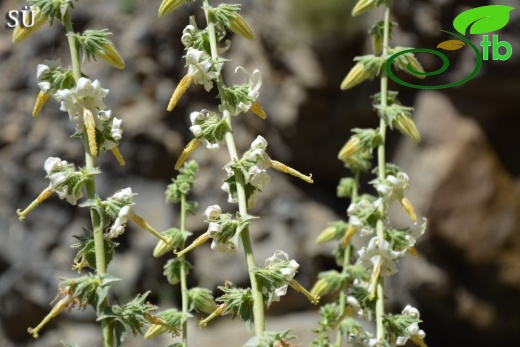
(238, 25)
(320, 288)
(168, 6)
(20, 33)
(415, 65)
(350, 148)
(162, 247)
(111, 56)
(357, 75)
(406, 126)
(154, 330)
(362, 6)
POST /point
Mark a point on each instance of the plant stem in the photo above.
(346, 262)
(90, 185)
(381, 162)
(184, 286)
(258, 301)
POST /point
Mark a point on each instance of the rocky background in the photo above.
(464, 174)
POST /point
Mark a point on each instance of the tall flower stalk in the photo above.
(99, 130)
(361, 280)
(246, 173)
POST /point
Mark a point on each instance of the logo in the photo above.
(480, 21)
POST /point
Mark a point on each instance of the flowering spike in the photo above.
(20, 32)
(110, 54)
(408, 208)
(117, 154)
(286, 169)
(182, 87)
(90, 124)
(40, 102)
(44, 195)
(190, 147)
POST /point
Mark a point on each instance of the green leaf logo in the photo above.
(482, 20)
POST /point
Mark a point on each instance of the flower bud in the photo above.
(377, 44)
(20, 33)
(190, 148)
(201, 300)
(40, 102)
(238, 25)
(168, 6)
(362, 6)
(329, 234)
(257, 109)
(320, 288)
(289, 170)
(90, 125)
(350, 148)
(357, 75)
(163, 247)
(408, 208)
(182, 87)
(110, 55)
(406, 126)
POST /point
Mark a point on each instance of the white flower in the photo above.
(279, 292)
(254, 84)
(258, 177)
(201, 68)
(221, 247)
(196, 117)
(196, 130)
(412, 329)
(379, 253)
(214, 229)
(411, 311)
(259, 143)
(393, 186)
(123, 194)
(212, 212)
(58, 171)
(120, 223)
(86, 95)
(187, 35)
(43, 71)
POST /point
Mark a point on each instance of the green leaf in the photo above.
(483, 19)
(121, 333)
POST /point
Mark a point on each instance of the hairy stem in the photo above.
(90, 185)
(381, 162)
(258, 306)
(184, 286)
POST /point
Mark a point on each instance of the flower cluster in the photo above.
(63, 179)
(120, 207)
(287, 268)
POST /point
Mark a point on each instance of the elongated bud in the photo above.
(117, 154)
(326, 235)
(406, 125)
(162, 247)
(320, 288)
(351, 231)
(289, 170)
(44, 195)
(350, 148)
(196, 243)
(20, 33)
(145, 226)
(238, 25)
(377, 44)
(168, 6)
(415, 65)
(201, 300)
(40, 102)
(373, 280)
(90, 125)
(111, 55)
(299, 288)
(408, 208)
(220, 309)
(357, 75)
(154, 330)
(258, 110)
(412, 251)
(183, 86)
(362, 6)
(190, 147)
